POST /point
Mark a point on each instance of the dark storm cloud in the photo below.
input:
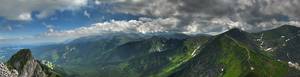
(248, 13)
(22, 9)
(247, 10)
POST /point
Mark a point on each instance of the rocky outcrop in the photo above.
(22, 64)
(5, 72)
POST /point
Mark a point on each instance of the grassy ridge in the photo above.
(240, 61)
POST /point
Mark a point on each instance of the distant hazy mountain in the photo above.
(235, 53)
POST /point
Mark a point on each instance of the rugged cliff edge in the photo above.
(23, 64)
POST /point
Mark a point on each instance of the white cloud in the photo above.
(24, 16)
(97, 2)
(22, 9)
(143, 25)
(50, 28)
(87, 14)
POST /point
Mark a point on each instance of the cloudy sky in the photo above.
(42, 21)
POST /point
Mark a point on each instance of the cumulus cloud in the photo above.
(206, 8)
(143, 25)
(248, 14)
(50, 28)
(85, 13)
(22, 9)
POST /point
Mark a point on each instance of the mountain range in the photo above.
(235, 53)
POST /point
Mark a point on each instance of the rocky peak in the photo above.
(20, 59)
(236, 33)
(22, 64)
(287, 27)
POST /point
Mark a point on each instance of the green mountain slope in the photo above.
(227, 55)
(283, 43)
(159, 55)
(155, 56)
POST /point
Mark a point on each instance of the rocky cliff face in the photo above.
(22, 64)
(5, 72)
